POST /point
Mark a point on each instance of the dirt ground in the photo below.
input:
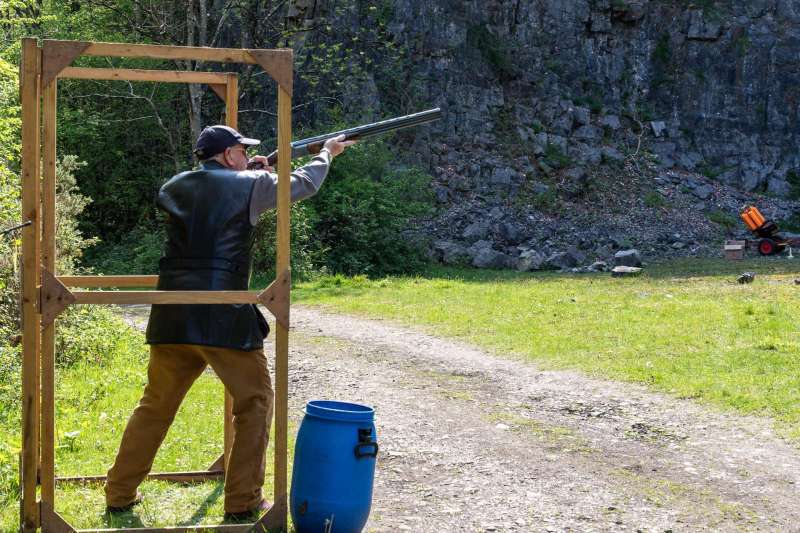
(475, 442)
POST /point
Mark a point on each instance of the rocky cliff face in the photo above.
(585, 126)
(714, 85)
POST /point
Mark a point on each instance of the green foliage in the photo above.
(791, 224)
(137, 252)
(662, 52)
(492, 49)
(555, 157)
(726, 220)
(592, 101)
(793, 179)
(742, 43)
(546, 201)
(91, 335)
(307, 253)
(654, 199)
(713, 172)
(363, 210)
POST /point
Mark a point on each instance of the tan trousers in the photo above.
(172, 370)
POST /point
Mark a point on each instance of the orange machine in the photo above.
(770, 240)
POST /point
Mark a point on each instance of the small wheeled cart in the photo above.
(770, 240)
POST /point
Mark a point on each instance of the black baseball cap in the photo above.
(214, 139)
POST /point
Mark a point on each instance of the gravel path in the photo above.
(474, 442)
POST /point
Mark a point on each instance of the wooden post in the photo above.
(49, 259)
(232, 120)
(282, 333)
(29, 96)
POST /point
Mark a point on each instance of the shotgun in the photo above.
(313, 145)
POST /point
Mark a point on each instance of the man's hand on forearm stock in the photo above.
(336, 145)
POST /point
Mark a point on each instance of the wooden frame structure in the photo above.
(45, 294)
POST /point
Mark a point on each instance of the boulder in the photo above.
(530, 260)
(609, 153)
(702, 28)
(659, 127)
(511, 233)
(747, 277)
(611, 122)
(630, 258)
(703, 192)
(450, 253)
(598, 266)
(625, 271)
(560, 260)
(502, 176)
(489, 258)
(582, 115)
(588, 133)
(476, 231)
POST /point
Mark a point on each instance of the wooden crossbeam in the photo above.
(165, 297)
(92, 282)
(124, 74)
(177, 477)
(276, 298)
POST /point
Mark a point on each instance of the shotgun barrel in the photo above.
(313, 145)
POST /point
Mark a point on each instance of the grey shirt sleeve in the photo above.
(306, 181)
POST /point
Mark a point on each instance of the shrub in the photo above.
(137, 253)
(654, 199)
(363, 210)
(307, 253)
(555, 157)
(726, 220)
(492, 49)
(793, 179)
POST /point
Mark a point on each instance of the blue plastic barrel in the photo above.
(334, 467)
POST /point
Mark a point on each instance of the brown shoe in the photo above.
(251, 515)
(125, 508)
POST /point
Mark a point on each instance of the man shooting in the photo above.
(211, 213)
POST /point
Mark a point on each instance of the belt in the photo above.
(201, 263)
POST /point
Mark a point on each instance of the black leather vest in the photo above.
(209, 238)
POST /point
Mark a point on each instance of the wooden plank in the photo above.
(29, 95)
(52, 522)
(232, 120)
(282, 333)
(278, 64)
(54, 297)
(177, 477)
(219, 89)
(153, 51)
(108, 281)
(222, 528)
(57, 55)
(273, 520)
(165, 297)
(47, 446)
(276, 297)
(123, 74)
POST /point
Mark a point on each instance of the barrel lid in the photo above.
(334, 410)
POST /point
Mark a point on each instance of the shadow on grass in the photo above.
(202, 511)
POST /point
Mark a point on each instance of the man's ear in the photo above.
(226, 158)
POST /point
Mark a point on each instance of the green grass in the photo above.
(93, 405)
(684, 327)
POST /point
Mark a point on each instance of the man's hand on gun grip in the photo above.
(336, 145)
(259, 162)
